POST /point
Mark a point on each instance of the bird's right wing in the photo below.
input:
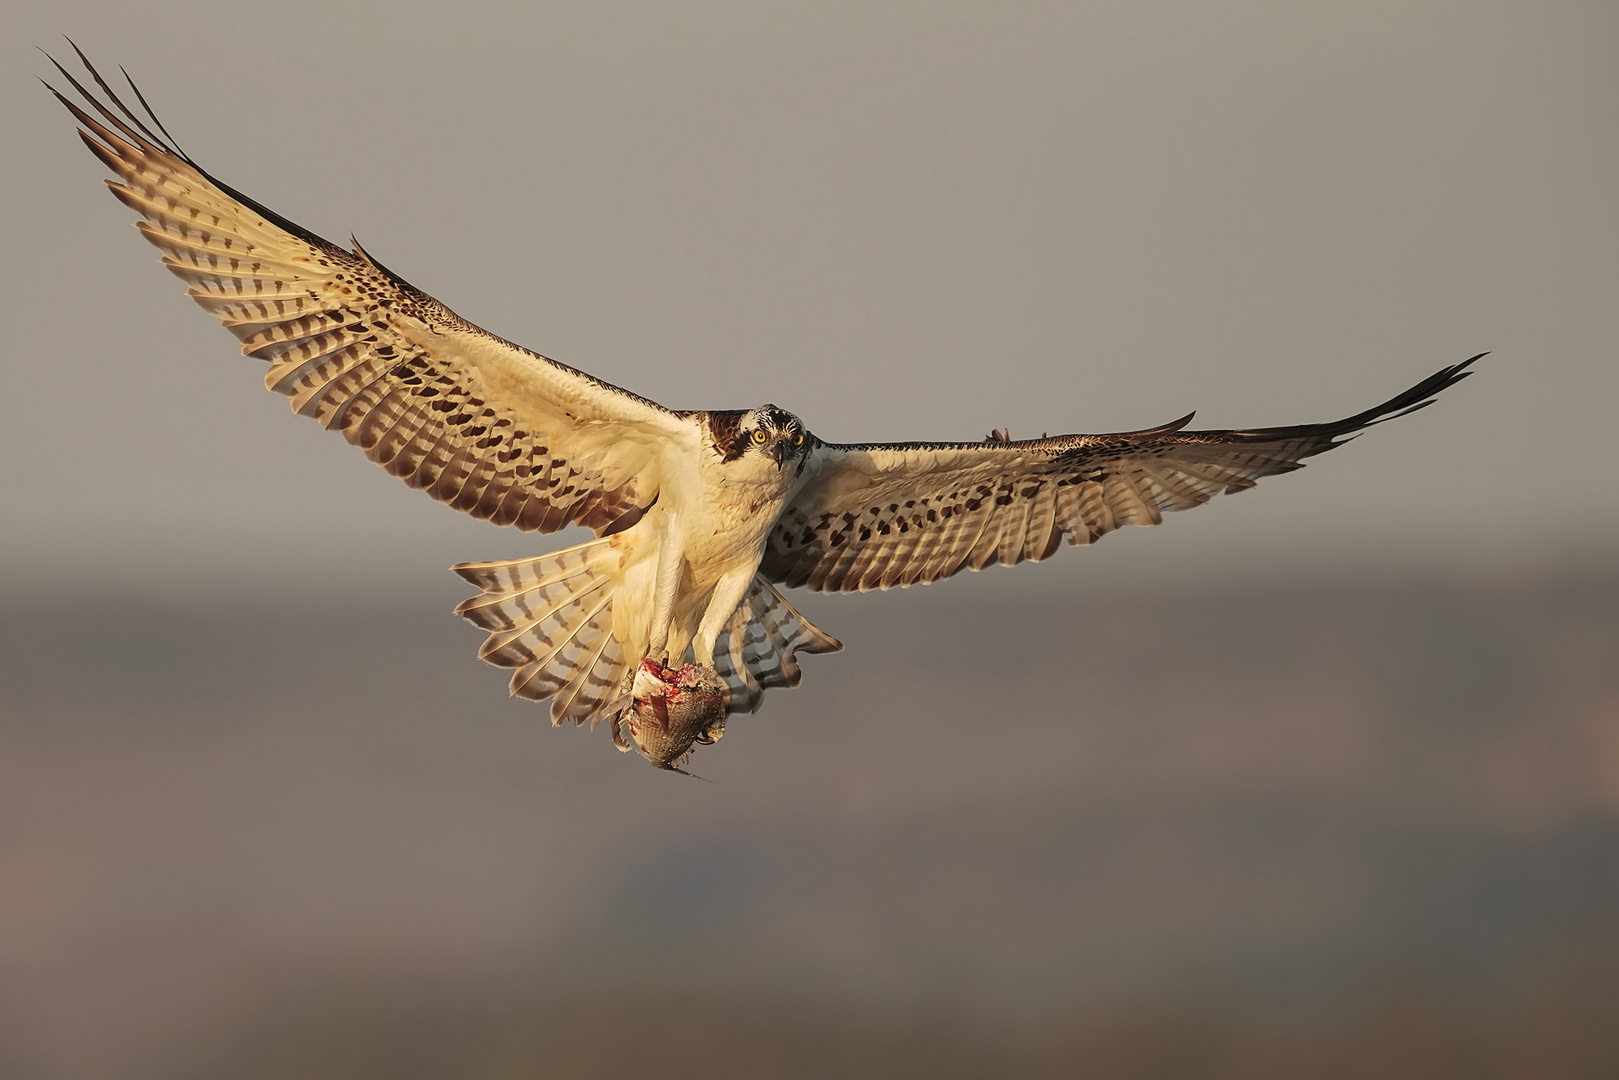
(488, 427)
(877, 515)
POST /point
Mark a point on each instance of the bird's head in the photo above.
(775, 433)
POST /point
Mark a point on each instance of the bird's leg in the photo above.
(671, 566)
(665, 587)
(728, 593)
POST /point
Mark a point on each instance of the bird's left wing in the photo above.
(490, 428)
(874, 516)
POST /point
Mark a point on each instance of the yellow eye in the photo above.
(759, 435)
(798, 440)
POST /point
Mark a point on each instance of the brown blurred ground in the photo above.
(1368, 830)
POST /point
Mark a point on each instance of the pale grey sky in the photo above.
(898, 220)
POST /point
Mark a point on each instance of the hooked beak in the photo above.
(780, 453)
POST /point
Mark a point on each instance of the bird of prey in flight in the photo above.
(701, 516)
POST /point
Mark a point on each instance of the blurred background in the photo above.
(1322, 781)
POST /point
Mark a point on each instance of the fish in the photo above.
(671, 711)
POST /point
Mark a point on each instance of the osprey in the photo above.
(699, 515)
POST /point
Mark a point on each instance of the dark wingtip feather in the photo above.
(1405, 403)
(1418, 397)
(147, 141)
(137, 134)
(173, 143)
(96, 75)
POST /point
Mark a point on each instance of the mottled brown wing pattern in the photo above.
(489, 428)
(875, 516)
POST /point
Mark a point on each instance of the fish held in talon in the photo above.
(672, 709)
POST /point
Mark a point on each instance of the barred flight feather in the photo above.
(873, 516)
(491, 429)
(756, 652)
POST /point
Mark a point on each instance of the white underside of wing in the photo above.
(598, 414)
(477, 422)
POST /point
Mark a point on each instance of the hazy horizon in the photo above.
(310, 834)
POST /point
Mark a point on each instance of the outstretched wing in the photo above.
(875, 516)
(488, 427)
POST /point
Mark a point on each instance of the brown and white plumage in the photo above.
(698, 515)
(877, 515)
(488, 427)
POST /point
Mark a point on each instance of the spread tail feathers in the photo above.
(551, 618)
(756, 650)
